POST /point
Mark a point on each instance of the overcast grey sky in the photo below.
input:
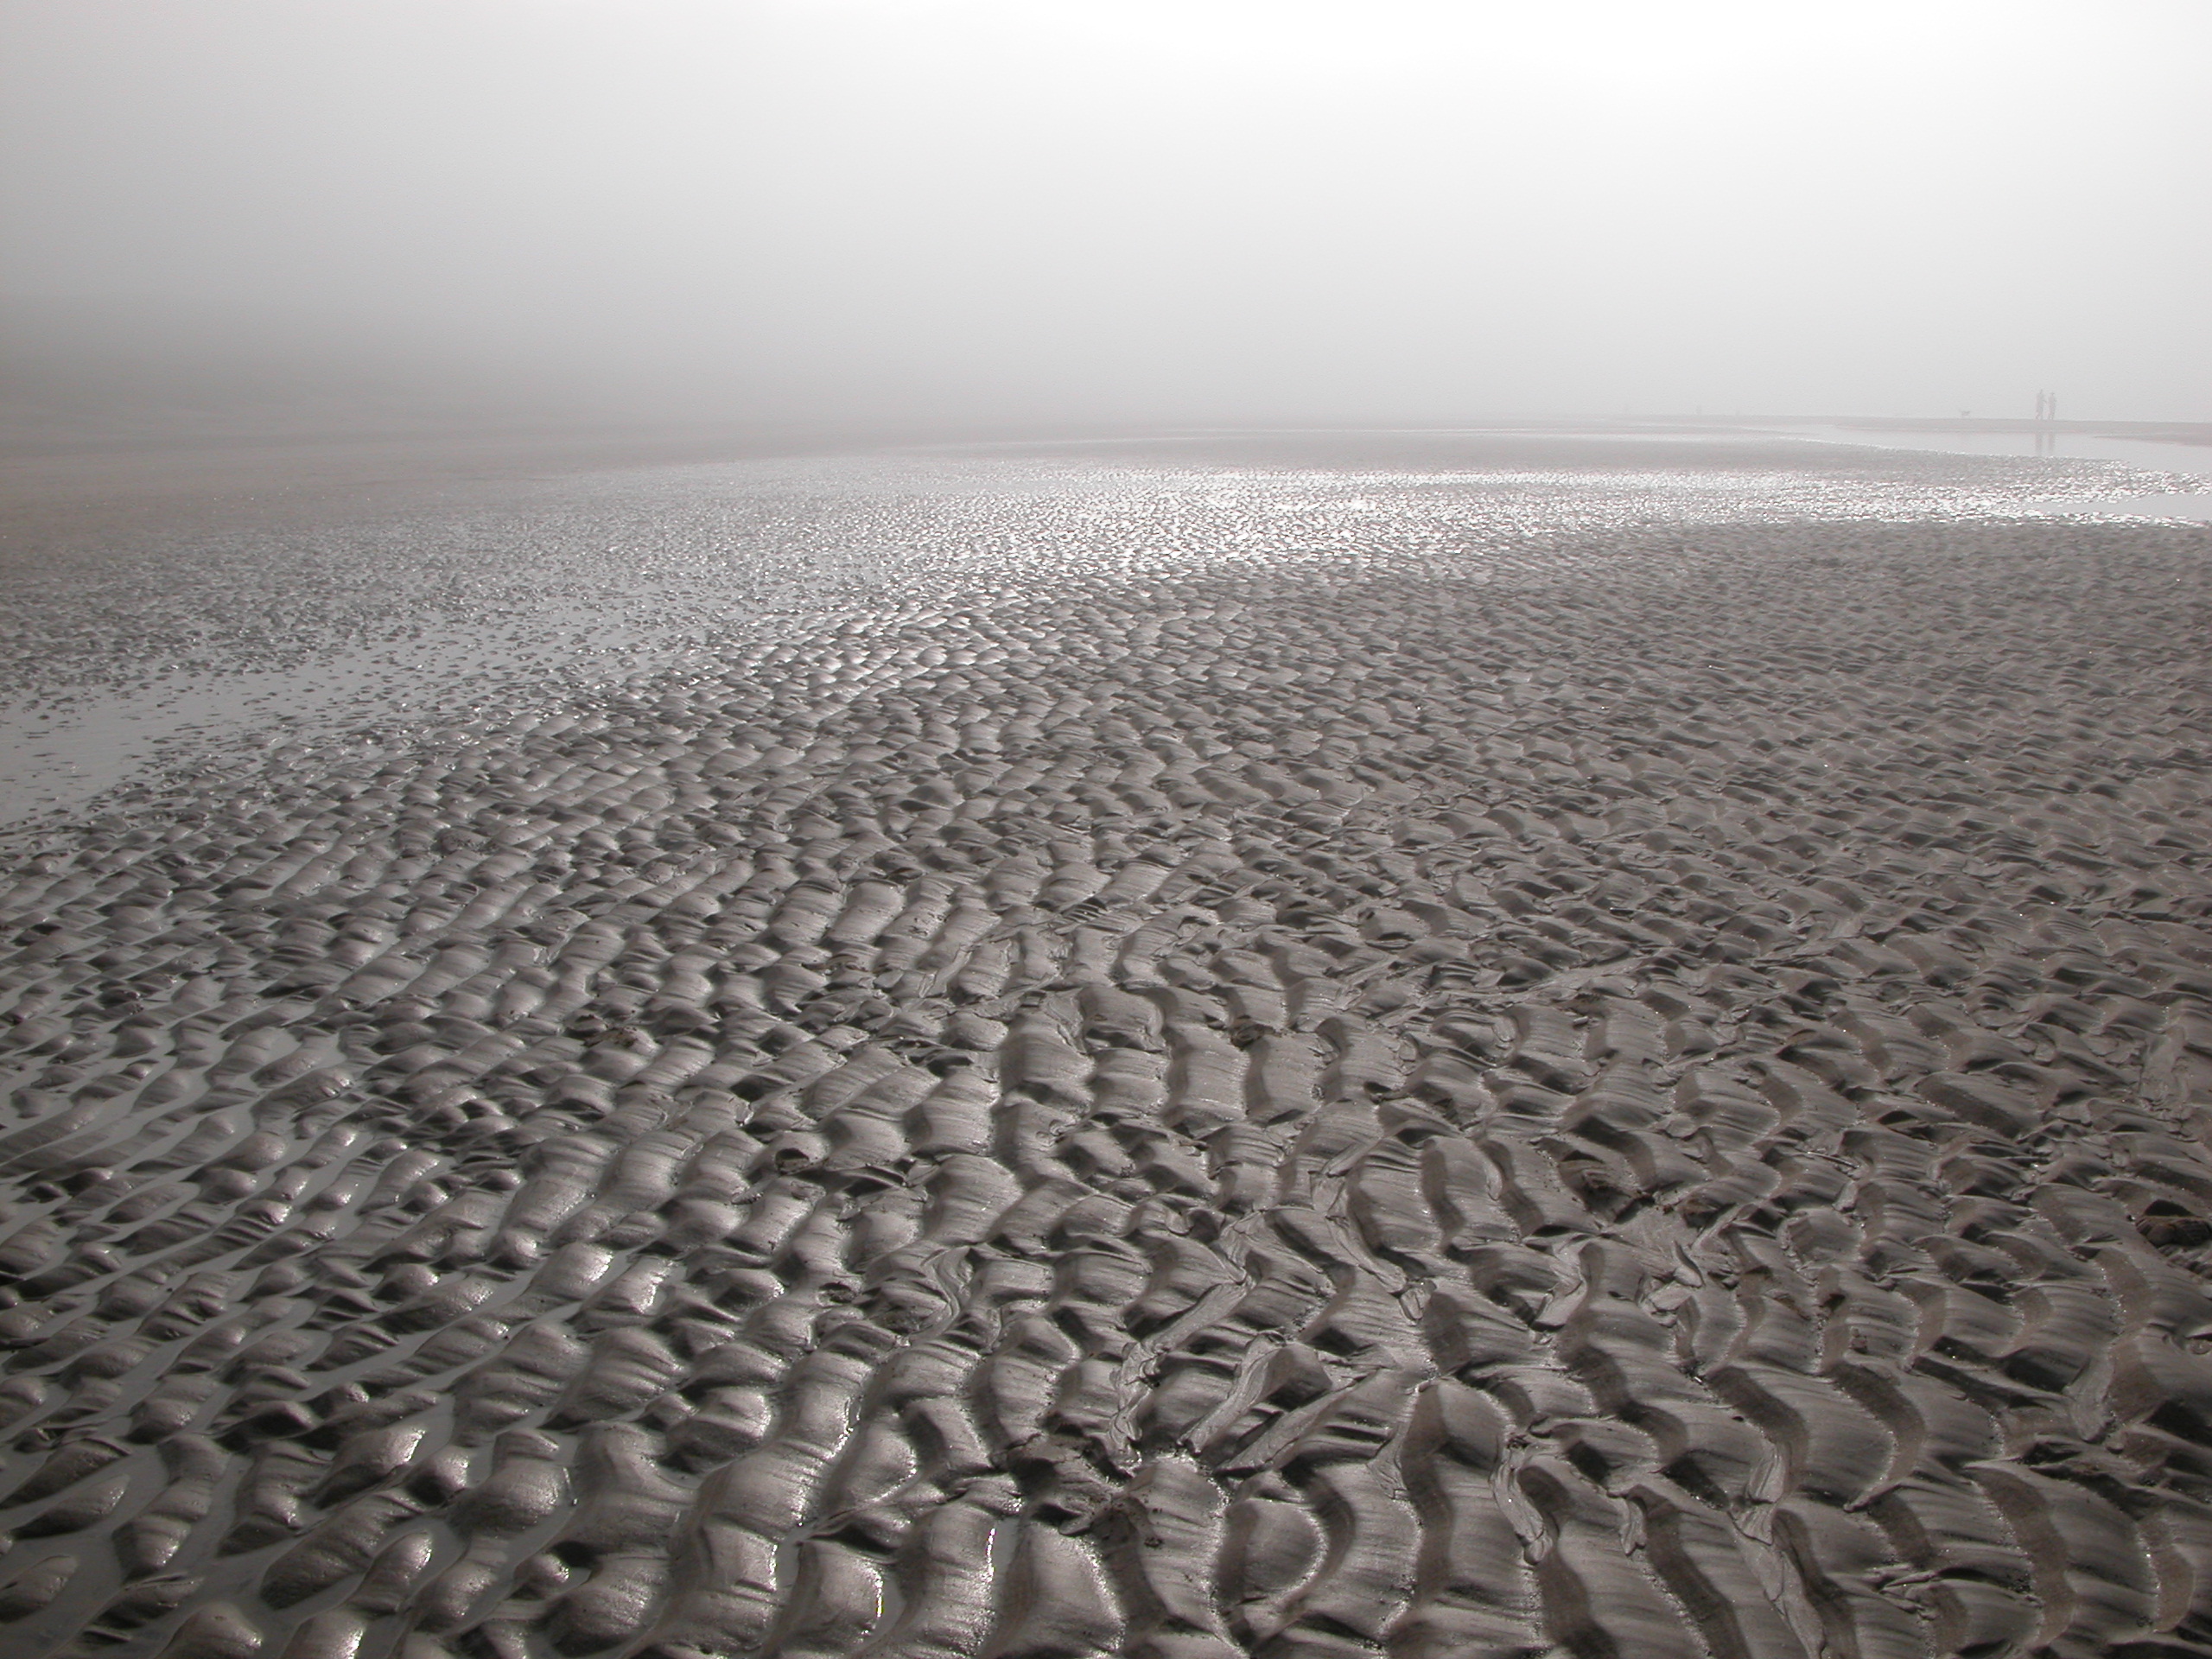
(1073, 210)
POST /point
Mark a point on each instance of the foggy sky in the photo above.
(1061, 211)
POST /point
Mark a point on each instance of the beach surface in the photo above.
(1449, 1045)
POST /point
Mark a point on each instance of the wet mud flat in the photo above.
(1631, 1083)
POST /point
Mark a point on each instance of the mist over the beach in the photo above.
(1000, 215)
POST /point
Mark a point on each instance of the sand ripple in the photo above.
(1645, 1099)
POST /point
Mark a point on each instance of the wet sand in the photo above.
(1316, 1052)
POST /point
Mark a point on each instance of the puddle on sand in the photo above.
(57, 755)
(2181, 462)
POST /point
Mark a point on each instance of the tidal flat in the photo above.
(1439, 1045)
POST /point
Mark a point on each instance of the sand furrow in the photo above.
(1644, 1097)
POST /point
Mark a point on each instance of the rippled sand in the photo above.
(1179, 1051)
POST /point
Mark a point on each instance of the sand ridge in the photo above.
(202, 622)
(1647, 1103)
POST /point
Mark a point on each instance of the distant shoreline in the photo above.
(2140, 431)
